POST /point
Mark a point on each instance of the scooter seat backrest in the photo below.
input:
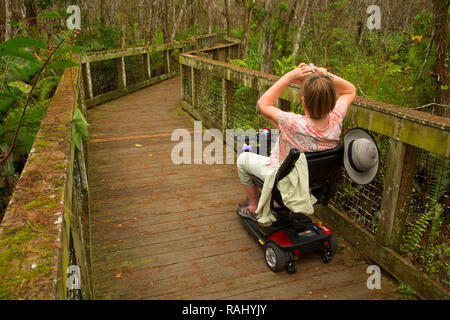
(322, 165)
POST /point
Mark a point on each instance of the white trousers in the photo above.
(252, 164)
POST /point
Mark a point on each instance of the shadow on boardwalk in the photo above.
(162, 231)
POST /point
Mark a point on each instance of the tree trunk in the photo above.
(408, 16)
(150, 33)
(31, 15)
(228, 16)
(285, 32)
(8, 30)
(102, 12)
(165, 21)
(208, 5)
(177, 22)
(138, 35)
(248, 6)
(267, 39)
(440, 10)
(298, 35)
(123, 25)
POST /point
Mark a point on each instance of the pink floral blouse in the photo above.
(298, 131)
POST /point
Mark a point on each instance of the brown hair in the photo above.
(320, 96)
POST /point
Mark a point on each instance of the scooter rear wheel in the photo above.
(333, 244)
(275, 257)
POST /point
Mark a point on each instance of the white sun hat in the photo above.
(361, 156)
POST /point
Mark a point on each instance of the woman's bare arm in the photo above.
(266, 103)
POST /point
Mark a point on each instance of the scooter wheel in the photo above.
(291, 268)
(333, 244)
(275, 257)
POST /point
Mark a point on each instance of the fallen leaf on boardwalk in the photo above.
(138, 145)
(325, 296)
(119, 225)
(119, 275)
(150, 155)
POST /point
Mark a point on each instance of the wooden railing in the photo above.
(46, 225)
(146, 65)
(375, 218)
(45, 230)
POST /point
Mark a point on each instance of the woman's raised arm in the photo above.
(266, 103)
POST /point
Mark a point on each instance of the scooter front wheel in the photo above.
(275, 257)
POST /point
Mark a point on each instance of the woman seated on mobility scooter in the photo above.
(318, 130)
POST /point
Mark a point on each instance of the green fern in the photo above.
(45, 87)
(440, 180)
(414, 237)
(284, 65)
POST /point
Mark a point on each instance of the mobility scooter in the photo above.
(294, 233)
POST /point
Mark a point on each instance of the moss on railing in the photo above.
(35, 233)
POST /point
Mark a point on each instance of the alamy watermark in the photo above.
(374, 280)
(189, 149)
(74, 20)
(73, 277)
(374, 19)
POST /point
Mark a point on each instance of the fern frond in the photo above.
(45, 87)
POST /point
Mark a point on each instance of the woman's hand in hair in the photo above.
(299, 74)
(321, 70)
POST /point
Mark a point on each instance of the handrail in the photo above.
(123, 86)
(46, 217)
(423, 130)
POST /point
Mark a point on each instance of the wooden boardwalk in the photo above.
(165, 231)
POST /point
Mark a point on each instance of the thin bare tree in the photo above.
(8, 29)
(123, 25)
(440, 10)
(298, 34)
(150, 32)
(267, 38)
(209, 10)
(247, 6)
(178, 21)
(228, 15)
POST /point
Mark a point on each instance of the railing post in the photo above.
(182, 75)
(147, 66)
(168, 60)
(121, 73)
(284, 105)
(86, 69)
(390, 197)
(399, 226)
(194, 76)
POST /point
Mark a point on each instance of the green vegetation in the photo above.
(29, 74)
